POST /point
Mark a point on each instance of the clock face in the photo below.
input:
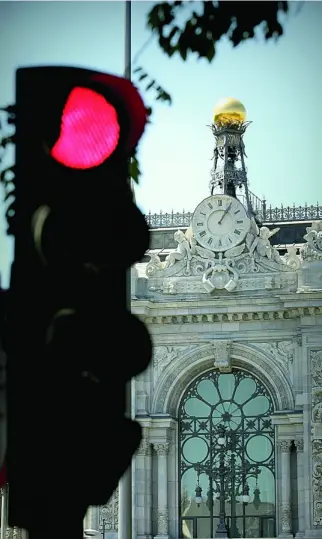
(220, 222)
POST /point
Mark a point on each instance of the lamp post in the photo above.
(225, 476)
(103, 528)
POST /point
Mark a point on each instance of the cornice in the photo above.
(232, 310)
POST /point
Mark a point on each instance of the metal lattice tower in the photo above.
(229, 173)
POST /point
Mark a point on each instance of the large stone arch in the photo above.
(178, 375)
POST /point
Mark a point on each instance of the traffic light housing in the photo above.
(71, 341)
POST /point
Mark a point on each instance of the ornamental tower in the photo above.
(229, 174)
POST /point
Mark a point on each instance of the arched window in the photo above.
(226, 457)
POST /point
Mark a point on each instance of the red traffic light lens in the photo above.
(89, 132)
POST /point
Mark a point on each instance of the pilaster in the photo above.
(143, 490)
(162, 450)
(299, 444)
(285, 505)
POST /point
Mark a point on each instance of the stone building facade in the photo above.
(231, 405)
(269, 330)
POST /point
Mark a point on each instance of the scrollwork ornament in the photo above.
(317, 482)
(162, 522)
(17, 533)
(285, 515)
(108, 514)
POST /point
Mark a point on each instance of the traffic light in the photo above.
(71, 341)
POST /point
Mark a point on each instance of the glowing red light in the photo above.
(89, 131)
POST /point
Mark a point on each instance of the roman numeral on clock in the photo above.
(200, 224)
(237, 232)
(210, 240)
(202, 233)
(240, 222)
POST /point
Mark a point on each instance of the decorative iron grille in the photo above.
(265, 214)
(241, 404)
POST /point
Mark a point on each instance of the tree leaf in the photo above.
(199, 33)
(135, 172)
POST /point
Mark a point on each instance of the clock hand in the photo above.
(223, 215)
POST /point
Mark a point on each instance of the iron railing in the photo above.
(265, 214)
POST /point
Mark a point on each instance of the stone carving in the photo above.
(161, 449)
(185, 250)
(291, 258)
(285, 517)
(144, 449)
(109, 513)
(276, 380)
(222, 355)
(299, 444)
(163, 522)
(285, 445)
(283, 351)
(154, 265)
(13, 533)
(221, 274)
(221, 270)
(163, 355)
(312, 250)
(316, 377)
(317, 482)
(258, 242)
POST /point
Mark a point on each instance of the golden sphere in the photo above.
(229, 111)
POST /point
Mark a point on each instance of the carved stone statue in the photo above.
(313, 248)
(184, 249)
(217, 268)
(154, 265)
(291, 258)
(258, 242)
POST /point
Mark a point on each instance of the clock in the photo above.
(220, 222)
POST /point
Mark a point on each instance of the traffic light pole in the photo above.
(125, 484)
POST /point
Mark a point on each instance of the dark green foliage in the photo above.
(200, 32)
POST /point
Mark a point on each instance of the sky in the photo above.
(280, 84)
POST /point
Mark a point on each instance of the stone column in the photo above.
(162, 450)
(143, 488)
(125, 505)
(300, 488)
(285, 502)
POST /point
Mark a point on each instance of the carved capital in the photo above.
(299, 444)
(13, 533)
(284, 445)
(144, 448)
(162, 522)
(161, 449)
